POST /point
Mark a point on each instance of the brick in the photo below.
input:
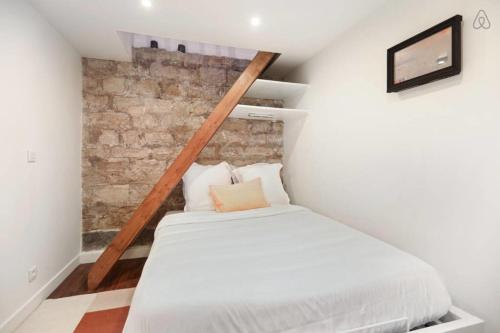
(137, 116)
(113, 85)
(109, 137)
(98, 68)
(213, 76)
(146, 87)
(96, 103)
(111, 194)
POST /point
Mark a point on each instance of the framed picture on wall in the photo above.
(431, 55)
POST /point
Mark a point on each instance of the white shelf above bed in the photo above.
(266, 113)
(268, 89)
(289, 92)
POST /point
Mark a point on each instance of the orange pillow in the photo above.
(241, 196)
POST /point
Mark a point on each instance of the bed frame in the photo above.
(455, 321)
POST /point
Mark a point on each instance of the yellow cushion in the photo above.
(241, 196)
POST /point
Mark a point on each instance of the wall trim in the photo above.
(141, 251)
(11, 323)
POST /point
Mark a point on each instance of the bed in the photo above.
(279, 269)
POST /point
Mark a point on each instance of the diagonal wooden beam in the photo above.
(174, 173)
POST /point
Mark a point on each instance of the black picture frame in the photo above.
(455, 23)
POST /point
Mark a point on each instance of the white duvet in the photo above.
(279, 269)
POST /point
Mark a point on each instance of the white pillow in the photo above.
(271, 181)
(197, 181)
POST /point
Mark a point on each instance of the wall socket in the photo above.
(32, 274)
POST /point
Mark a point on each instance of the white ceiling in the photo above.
(296, 28)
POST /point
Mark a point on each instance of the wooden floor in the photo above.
(125, 274)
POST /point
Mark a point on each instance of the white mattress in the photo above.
(278, 269)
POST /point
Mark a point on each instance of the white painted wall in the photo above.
(40, 109)
(419, 169)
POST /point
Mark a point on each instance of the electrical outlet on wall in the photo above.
(32, 274)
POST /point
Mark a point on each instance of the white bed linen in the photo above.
(278, 269)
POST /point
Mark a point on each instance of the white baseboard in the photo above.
(31, 304)
(141, 251)
(9, 325)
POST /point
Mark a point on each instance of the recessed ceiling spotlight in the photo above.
(255, 21)
(147, 3)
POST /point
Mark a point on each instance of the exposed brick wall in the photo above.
(138, 116)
